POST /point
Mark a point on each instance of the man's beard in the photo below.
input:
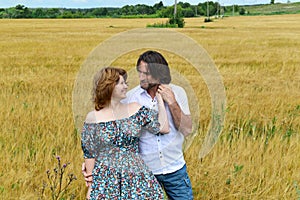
(150, 86)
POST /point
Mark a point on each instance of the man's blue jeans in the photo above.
(177, 185)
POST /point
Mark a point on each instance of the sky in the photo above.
(119, 3)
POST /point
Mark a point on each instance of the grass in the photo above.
(272, 9)
(162, 25)
(257, 155)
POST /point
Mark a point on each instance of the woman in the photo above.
(110, 141)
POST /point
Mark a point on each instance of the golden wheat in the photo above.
(257, 156)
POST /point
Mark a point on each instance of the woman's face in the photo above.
(120, 89)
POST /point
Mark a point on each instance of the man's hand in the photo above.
(87, 177)
(88, 194)
(167, 94)
(182, 122)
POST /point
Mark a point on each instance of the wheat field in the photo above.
(257, 155)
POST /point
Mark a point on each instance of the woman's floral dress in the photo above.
(119, 171)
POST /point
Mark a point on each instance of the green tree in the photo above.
(169, 12)
(19, 11)
(127, 10)
(52, 12)
(38, 13)
(242, 11)
(188, 12)
(98, 12)
(66, 14)
(144, 9)
(200, 9)
(158, 6)
(78, 14)
(184, 5)
(2, 13)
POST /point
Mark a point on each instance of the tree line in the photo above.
(139, 10)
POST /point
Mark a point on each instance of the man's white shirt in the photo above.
(162, 153)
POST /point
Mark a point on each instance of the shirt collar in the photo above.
(141, 90)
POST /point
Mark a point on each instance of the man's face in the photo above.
(146, 80)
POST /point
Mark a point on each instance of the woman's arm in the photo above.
(162, 115)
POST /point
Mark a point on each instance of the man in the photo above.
(163, 153)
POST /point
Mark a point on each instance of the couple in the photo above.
(125, 143)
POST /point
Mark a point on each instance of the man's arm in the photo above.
(182, 122)
(87, 177)
(87, 169)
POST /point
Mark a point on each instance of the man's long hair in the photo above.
(157, 65)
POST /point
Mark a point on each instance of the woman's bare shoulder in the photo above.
(134, 107)
(90, 117)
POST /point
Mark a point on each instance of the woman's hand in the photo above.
(159, 98)
(162, 114)
(88, 194)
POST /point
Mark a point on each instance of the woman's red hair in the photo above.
(105, 81)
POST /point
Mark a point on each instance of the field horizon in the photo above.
(257, 57)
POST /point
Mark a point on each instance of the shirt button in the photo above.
(158, 140)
